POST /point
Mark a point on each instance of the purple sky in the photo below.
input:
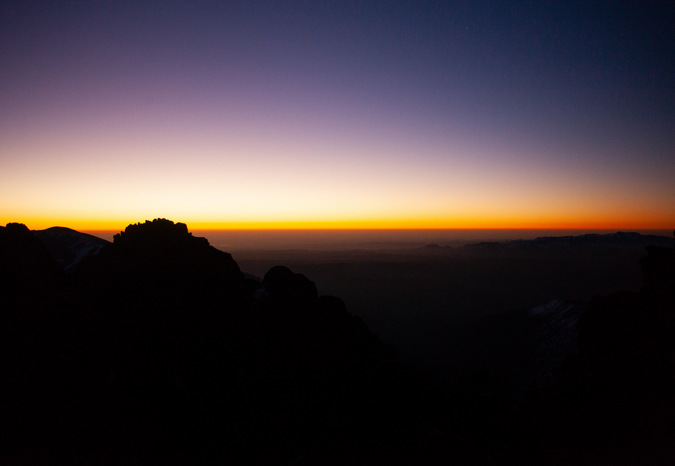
(327, 113)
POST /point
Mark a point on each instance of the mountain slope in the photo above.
(69, 247)
(158, 347)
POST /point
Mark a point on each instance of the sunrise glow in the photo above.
(404, 117)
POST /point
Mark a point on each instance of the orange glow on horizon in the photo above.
(94, 225)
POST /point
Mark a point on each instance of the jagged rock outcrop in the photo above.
(158, 347)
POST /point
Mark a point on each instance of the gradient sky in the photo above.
(390, 114)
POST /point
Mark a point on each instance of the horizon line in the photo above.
(373, 225)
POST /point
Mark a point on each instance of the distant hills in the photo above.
(618, 239)
(586, 240)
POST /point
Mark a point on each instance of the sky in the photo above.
(338, 114)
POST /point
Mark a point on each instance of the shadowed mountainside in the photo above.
(616, 400)
(69, 247)
(155, 348)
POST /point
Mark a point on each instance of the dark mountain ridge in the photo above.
(619, 238)
(157, 349)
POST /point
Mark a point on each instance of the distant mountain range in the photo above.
(69, 247)
(592, 240)
(609, 240)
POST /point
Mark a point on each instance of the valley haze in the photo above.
(374, 238)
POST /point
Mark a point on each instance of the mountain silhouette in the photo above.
(26, 262)
(157, 344)
(593, 240)
(156, 348)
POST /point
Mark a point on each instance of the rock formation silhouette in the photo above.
(158, 348)
(155, 348)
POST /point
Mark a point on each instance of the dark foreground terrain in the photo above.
(157, 349)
